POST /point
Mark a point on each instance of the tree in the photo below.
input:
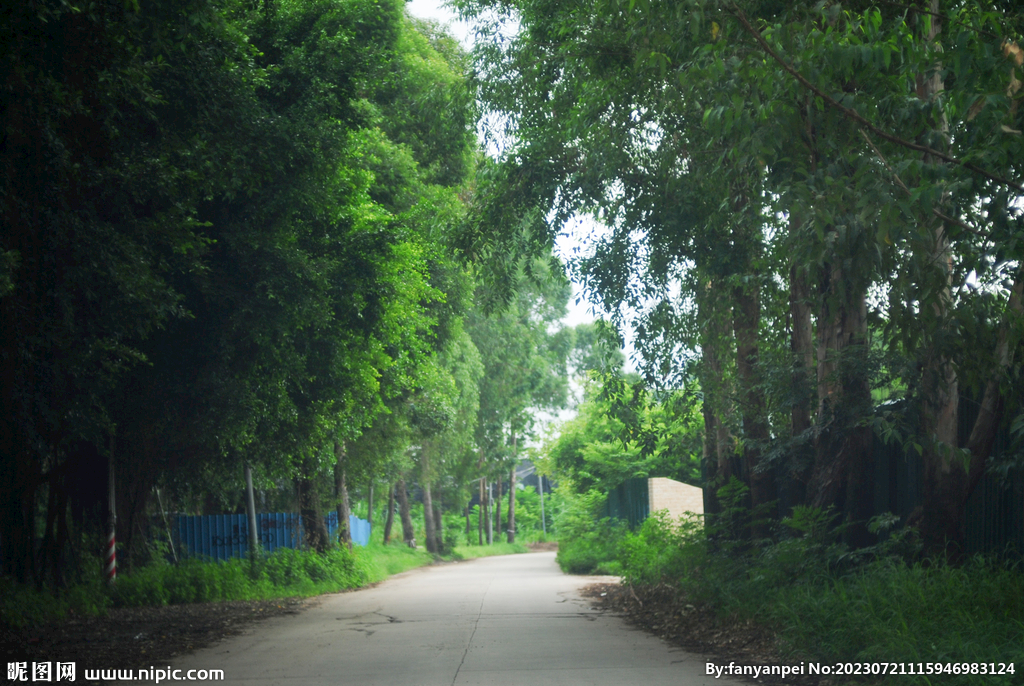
(734, 147)
(251, 277)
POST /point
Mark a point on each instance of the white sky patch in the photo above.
(434, 9)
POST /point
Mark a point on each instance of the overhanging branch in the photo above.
(857, 117)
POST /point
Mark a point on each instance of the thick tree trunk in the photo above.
(313, 524)
(843, 475)
(512, 504)
(408, 532)
(945, 482)
(341, 496)
(428, 519)
(430, 530)
(746, 322)
(941, 519)
(389, 520)
(716, 336)
(439, 526)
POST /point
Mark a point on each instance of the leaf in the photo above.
(715, 28)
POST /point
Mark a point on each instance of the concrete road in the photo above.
(495, 621)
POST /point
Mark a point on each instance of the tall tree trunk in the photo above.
(801, 461)
(313, 524)
(746, 322)
(480, 515)
(429, 530)
(941, 518)
(497, 511)
(428, 519)
(512, 503)
(709, 457)
(489, 516)
(389, 520)
(408, 532)
(250, 512)
(716, 336)
(369, 502)
(843, 474)
(341, 496)
(439, 526)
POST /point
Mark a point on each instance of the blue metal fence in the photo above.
(225, 536)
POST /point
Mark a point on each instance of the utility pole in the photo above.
(540, 489)
(111, 552)
(490, 514)
(250, 510)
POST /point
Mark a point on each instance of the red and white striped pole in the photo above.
(110, 554)
(111, 557)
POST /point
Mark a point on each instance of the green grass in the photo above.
(380, 561)
(283, 574)
(897, 612)
(828, 605)
(471, 552)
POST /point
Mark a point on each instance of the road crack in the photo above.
(476, 623)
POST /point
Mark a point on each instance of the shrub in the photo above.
(585, 541)
(662, 549)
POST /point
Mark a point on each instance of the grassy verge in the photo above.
(284, 574)
(471, 552)
(827, 604)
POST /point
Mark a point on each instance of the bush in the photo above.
(829, 604)
(282, 573)
(587, 545)
(662, 549)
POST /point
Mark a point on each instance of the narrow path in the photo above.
(495, 621)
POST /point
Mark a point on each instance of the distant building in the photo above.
(635, 499)
(674, 496)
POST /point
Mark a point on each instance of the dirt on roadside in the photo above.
(662, 612)
(138, 637)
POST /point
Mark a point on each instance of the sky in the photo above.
(432, 9)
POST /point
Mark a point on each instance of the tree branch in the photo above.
(859, 118)
(899, 182)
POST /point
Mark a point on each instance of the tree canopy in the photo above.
(807, 206)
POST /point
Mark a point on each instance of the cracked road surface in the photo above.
(494, 621)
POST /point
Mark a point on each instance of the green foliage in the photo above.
(528, 524)
(377, 561)
(24, 605)
(271, 268)
(662, 550)
(283, 573)
(759, 166)
(585, 542)
(622, 431)
(828, 606)
(472, 552)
